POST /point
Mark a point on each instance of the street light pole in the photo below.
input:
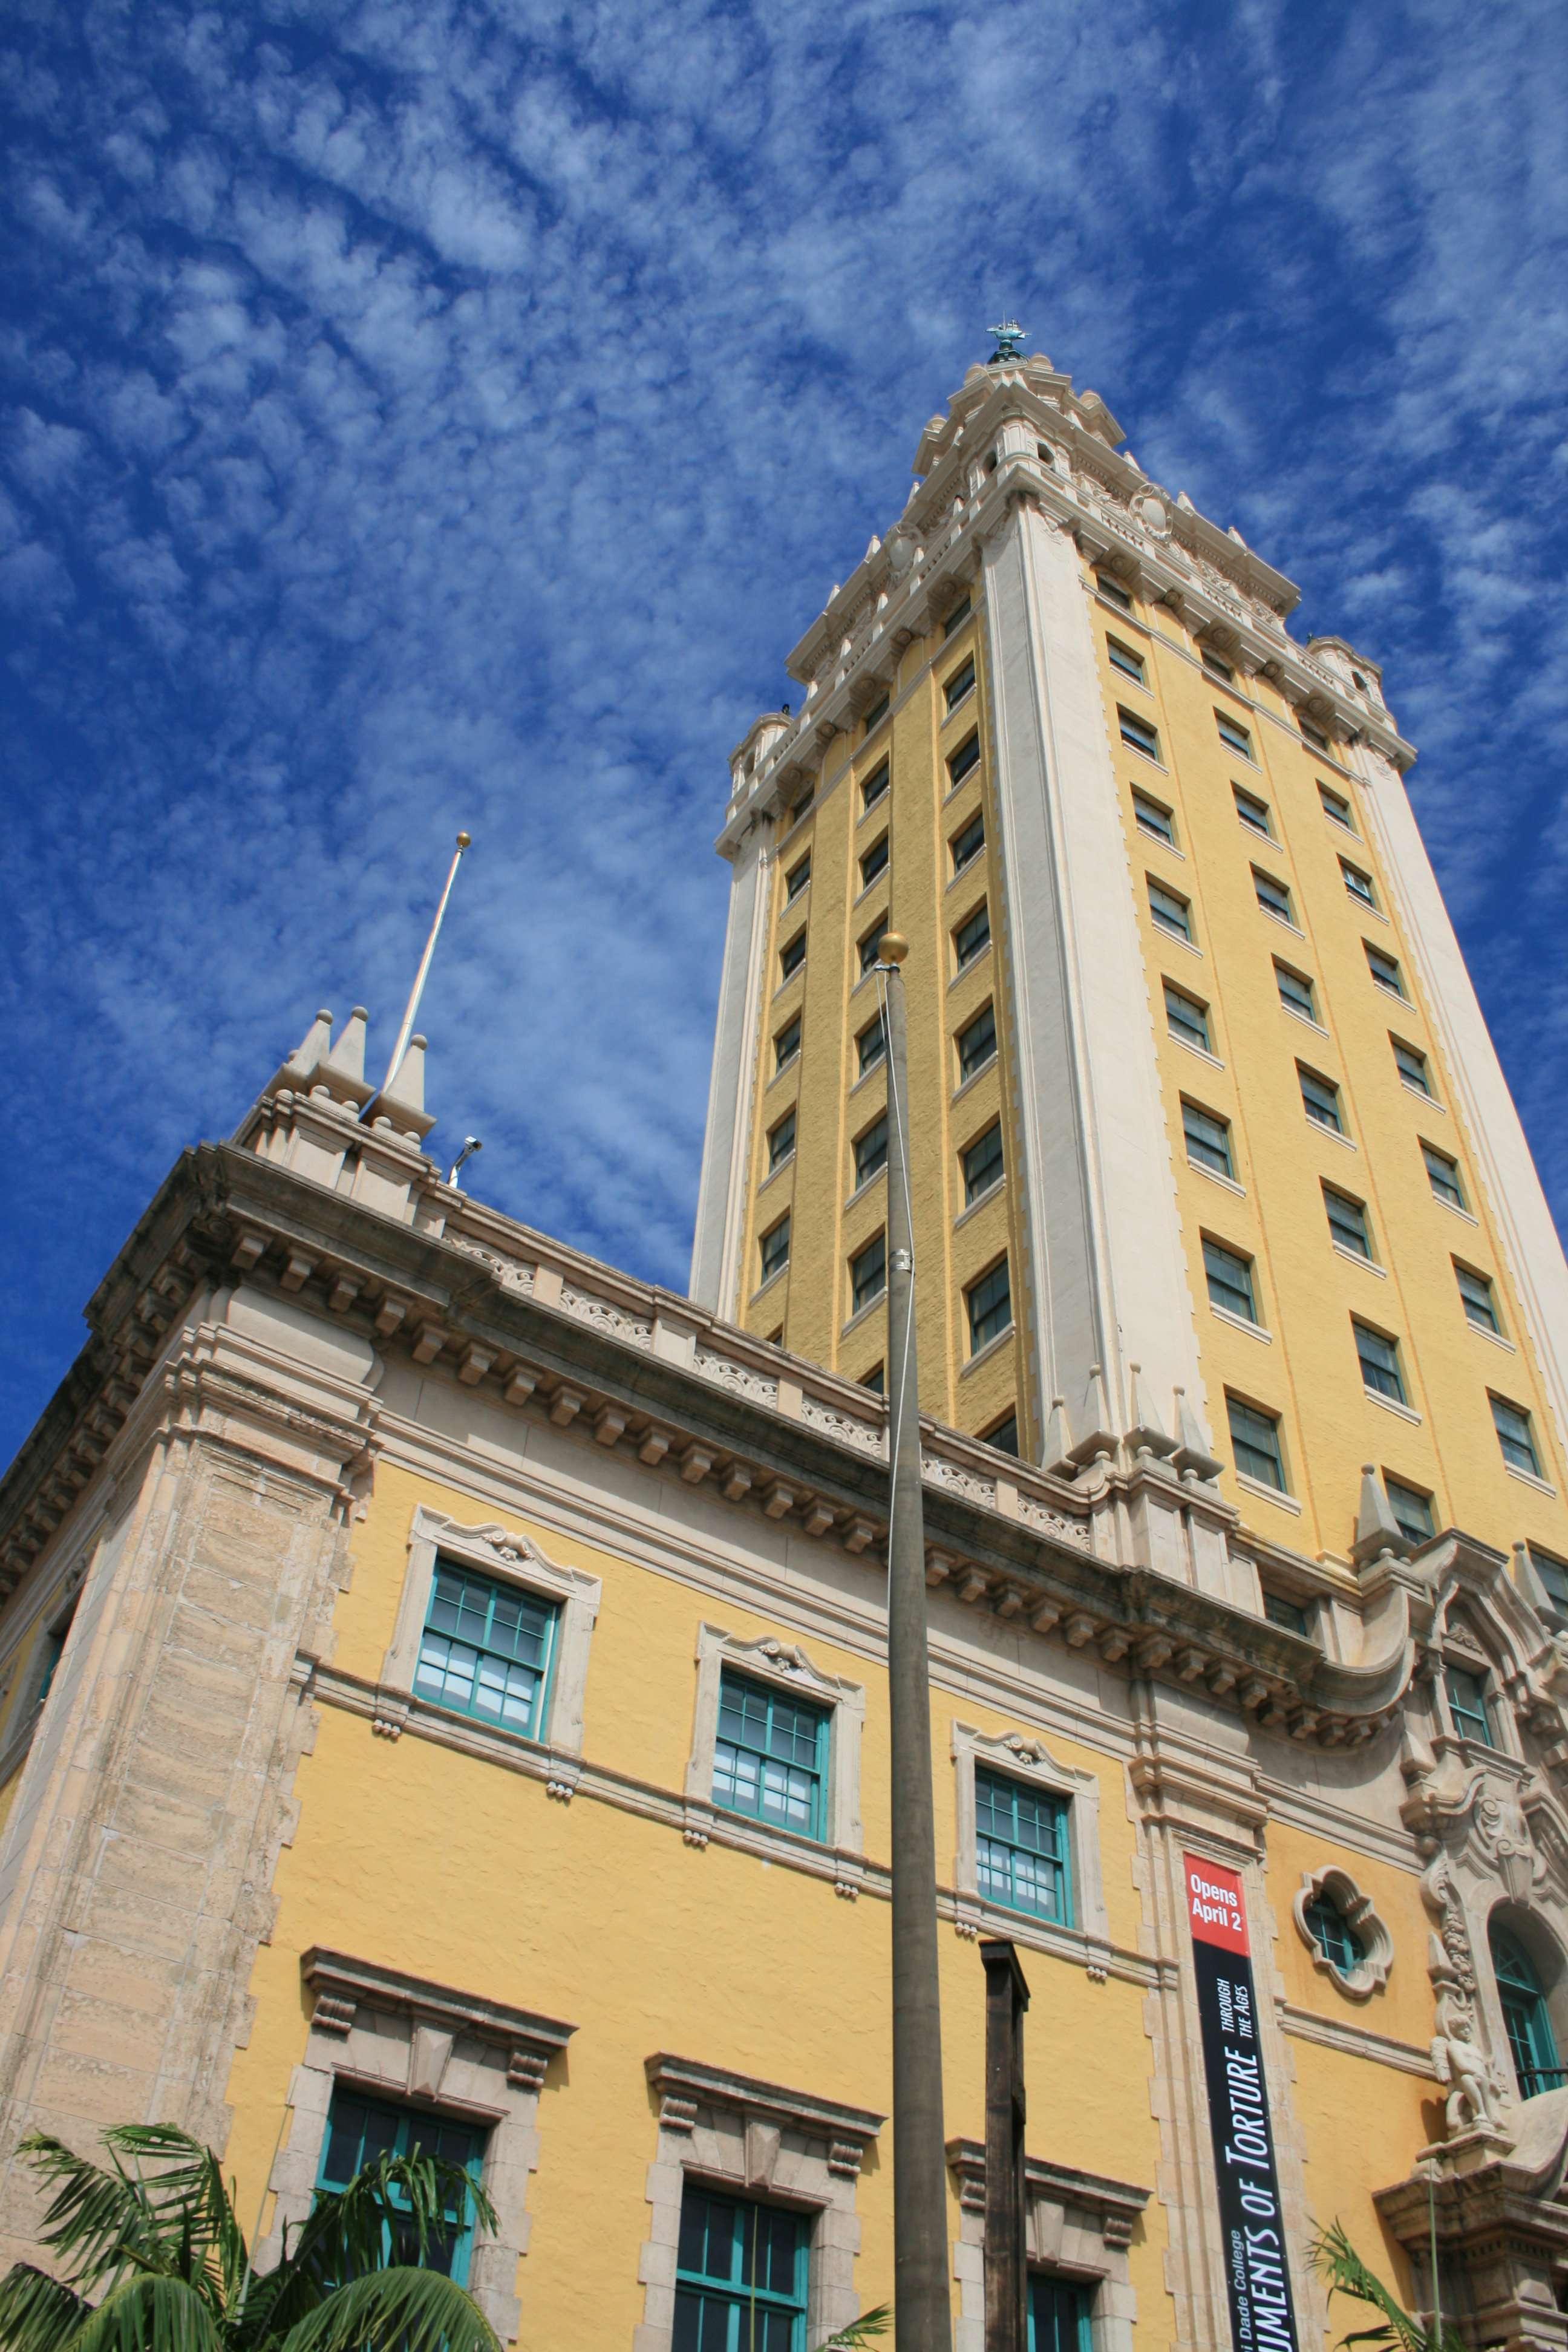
(921, 2299)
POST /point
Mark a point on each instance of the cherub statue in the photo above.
(1463, 2065)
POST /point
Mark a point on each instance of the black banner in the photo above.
(1257, 2278)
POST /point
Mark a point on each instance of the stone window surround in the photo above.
(495, 1551)
(428, 2046)
(1023, 1756)
(783, 1666)
(1077, 2225)
(748, 2138)
(1339, 1889)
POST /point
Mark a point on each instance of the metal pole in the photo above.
(412, 1013)
(1006, 2274)
(921, 2299)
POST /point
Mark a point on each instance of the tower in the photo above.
(1216, 1157)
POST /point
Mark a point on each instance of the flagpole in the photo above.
(412, 1015)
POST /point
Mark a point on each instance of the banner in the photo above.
(1257, 2277)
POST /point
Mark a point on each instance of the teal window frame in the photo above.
(792, 955)
(1313, 735)
(773, 1249)
(868, 1274)
(725, 2299)
(1333, 1934)
(869, 945)
(1477, 1299)
(1124, 659)
(384, 2127)
(1468, 1706)
(1187, 1019)
(1443, 1175)
(965, 760)
(974, 1056)
(1336, 808)
(1412, 1510)
(1056, 2315)
(871, 1151)
(1137, 733)
(786, 1045)
(1532, 2044)
(1385, 972)
(1287, 1615)
(990, 1304)
(967, 845)
(1153, 820)
(1207, 1140)
(1347, 1222)
(874, 861)
(1217, 667)
(1358, 886)
(1022, 1851)
(1378, 1356)
(781, 1141)
(467, 1635)
(1113, 593)
(796, 879)
(1412, 1065)
(1273, 897)
(1170, 912)
(769, 1757)
(960, 684)
(1229, 1278)
(972, 936)
(1255, 1442)
(1319, 1099)
(1252, 812)
(875, 786)
(1234, 735)
(982, 1164)
(1515, 1436)
(1306, 1004)
(872, 1044)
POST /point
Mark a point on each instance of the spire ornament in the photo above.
(1009, 339)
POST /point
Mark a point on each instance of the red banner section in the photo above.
(1214, 1905)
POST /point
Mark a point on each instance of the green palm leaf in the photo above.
(1337, 2261)
(37, 2312)
(859, 2331)
(405, 2307)
(148, 2314)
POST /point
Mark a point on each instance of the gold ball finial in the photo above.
(892, 948)
(464, 839)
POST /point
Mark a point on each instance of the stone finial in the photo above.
(1146, 1432)
(1095, 1418)
(1192, 1447)
(346, 1059)
(1376, 1528)
(405, 1097)
(298, 1071)
(1055, 1452)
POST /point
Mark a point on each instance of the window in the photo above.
(360, 2130)
(1379, 1362)
(869, 947)
(1412, 1067)
(741, 2276)
(1358, 884)
(1138, 733)
(1467, 1705)
(1171, 913)
(1444, 1175)
(1217, 668)
(1412, 1510)
(878, 712)
(1332, 1934)
(1124, 660)
(875, 785)
(1113, 593)
(959, 684)
(776, 1249)
(787, 1045)
(871, 1153)
(52, 1649)
(1313, 734)
(770, 1759)
(1476, 1293)
(978, 1044)
(1229, 1281)
(1347, 1222)
(1319, 1099)
(982, 1164)
(802, 805)
(1233, 734)
(1021, 1848)
(1272, 897)
(1553, 1575)
(964, 759)
(1003, 1436)
(1288, 1613)
(1296, 993)
(796, 878)
(1255, 1442)
(1513, 1434)
(1151, 818)
(1185, 1019)
(781, 1141)
(957, 617)
(875, 862)
(869, 1272)
(1059, 2315)
(875, 1380)
(967, 845)
(793, 956)
(971, 937)
(990, 1304)
(1531, 2042)
(871, 1045)
(485, 1650)
(1384, 970)
(1252, 812)
(1336, 808)
(1207, 1140)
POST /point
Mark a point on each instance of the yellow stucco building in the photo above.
(443, 1677)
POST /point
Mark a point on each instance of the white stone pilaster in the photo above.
(721, 1193)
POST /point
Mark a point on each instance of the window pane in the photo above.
(871, 1153)
(972, 936)
(1379, 1364)
(978, 1044)
(869, 1272)
(799, 876)
(1186, 1020)
(1412, 1067)
(1115, 595)
(485, 1648)
(787, 1045)
(874, 787)
(1512, 1428)
(1138, 733)
(792, 957)
(1445, 1177)
(1384, 970)
(1340, 1945)
(878, 712)
(1217, 668)
(1125, 658)
(1207, 1140)
(1153, 819)
(1272, 897)
(959, 684)
(1021, 1848)
(767, 1759)
(872, 1042)
(1336, 807)
(968, 845)
(1234, 734)
(1467, 1705)
(1347, 1222)
(1553, 1575)
(982, 1164)
(1005, 1436)
(1255, 1440)
(1295, 990)
(776, 1249)
(1280, 1611)
(1252, 812)
(957, 617)
(990, 1306)
(1532, 2044)
(741, 2276)
(1320, 1100)
(1229, 1281)
(1170, 912)
(1476, 1294)
(1411, 1509)
(781, 1141)
(1358, 884)
(874, 861)
(966, 757)
(869, 946)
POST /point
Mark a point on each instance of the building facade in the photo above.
(442, 1679)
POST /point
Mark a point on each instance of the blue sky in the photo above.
(416, 414)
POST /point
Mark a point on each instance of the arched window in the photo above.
(1341, 1946)
(1532, 2043)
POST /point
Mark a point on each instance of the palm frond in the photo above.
(98, 2222)
(403, 2309)
(37, 2312)
(183, 2188)
(148, 2313)
(859, 2331)
(1336, 2260)
(347, 2234)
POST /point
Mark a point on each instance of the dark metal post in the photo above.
(1006, 2269)
(921, 2298)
